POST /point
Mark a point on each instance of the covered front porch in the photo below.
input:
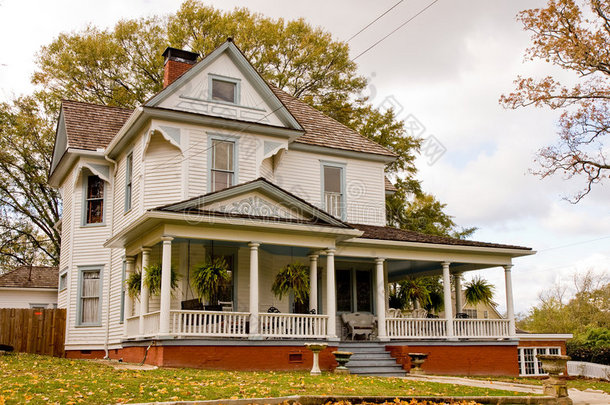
(349, 277)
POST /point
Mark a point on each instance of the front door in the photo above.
(354, 292)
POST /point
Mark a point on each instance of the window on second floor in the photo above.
(128, 180)
(94, 200)
(334, 195)
(63, 280)
(223, 164)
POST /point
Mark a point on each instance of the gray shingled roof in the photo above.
(30, 277)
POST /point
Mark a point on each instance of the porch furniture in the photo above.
(359, 324)
(227, 306)
(462, 315)
(316, 348)
(394, 313)
(273, 310)
(418, 313)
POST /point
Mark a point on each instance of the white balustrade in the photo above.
(481, 328)
(132, 326)
(209, 323)
(292, 325)
(405, 328)
(151, 323)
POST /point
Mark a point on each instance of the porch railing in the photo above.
(132, 325)
(405, 328)
(151, 323)
(481, 328)
(292, 325)
(209, 323)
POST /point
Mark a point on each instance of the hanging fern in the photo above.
(295, 278)
(479, 290)
(208, 278)
(134, 284)
(153, 278)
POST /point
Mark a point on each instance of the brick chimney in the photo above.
(177, 61)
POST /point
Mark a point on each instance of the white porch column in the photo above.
(331, 289)
(128, 307)
(254, 289)
(447, 299)
(457, 280)
(313, 282)
(166, 285)
(143, 290)
(380, 296)
(510, 306)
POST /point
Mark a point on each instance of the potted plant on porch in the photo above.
(152, 280)
(208, 278)
(293, 278)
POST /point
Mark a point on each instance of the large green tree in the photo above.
(123, 66)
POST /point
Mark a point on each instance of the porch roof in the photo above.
(403, 235)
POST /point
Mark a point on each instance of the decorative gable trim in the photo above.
(261, 185)
(247, 69)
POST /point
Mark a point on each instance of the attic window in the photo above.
(224, 90)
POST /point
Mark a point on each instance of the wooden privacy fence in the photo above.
(39, 331)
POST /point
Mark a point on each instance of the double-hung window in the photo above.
(94, 200)
(89, 299)
(128, 180)
(223, 164)
(333, 190)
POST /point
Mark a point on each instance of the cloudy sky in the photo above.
(446, 69)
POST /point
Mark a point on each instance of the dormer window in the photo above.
(224, 89)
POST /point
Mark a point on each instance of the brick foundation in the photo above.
(275, 358)
(475, 359)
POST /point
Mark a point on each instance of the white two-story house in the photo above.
(220, 163)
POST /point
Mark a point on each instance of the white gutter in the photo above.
(438, 246)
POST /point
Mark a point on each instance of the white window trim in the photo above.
(343, 167)
(39, 306)
(81, 270)
(236, 81)
(227, 138)
(128, 181)
(63, 273)
(521, 354)
(85, 187)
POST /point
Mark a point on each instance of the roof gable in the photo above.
(257, 199)
(256, 101)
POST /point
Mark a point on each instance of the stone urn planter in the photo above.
(342, 358)
(316, 348)
(554, 364)
(417, 359)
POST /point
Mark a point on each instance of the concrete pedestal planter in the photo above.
(342, 358)
(554, 365)
(316, 348)
(417, 359)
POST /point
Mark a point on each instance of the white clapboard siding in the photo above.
(87, 250)
(122, 218)
(299, 173)
(163, 178)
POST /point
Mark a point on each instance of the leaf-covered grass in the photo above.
(578, 383)
(26, 378)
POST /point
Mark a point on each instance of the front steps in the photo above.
(371, 358)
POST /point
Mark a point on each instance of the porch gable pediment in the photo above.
(257, 199)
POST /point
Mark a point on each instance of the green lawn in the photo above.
(578, 383)
(26, 378)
